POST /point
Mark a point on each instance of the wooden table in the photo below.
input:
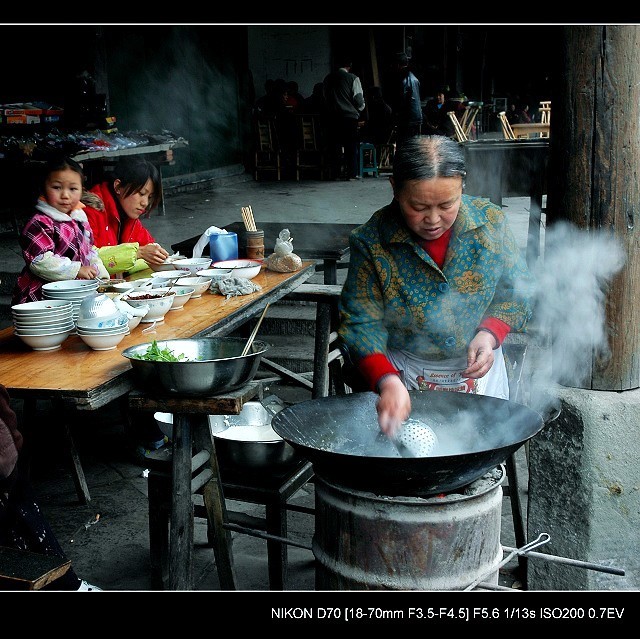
(514, 167)
(531, 129)
(75, 376)
(311, 241)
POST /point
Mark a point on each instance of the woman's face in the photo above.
(136, 204)
(429, 207)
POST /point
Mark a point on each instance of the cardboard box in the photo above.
(21, 114)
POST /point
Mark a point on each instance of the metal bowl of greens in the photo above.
(194, 367)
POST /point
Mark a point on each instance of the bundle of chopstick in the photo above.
(247, 216)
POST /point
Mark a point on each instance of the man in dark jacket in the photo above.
(404, 98)
(345, 102)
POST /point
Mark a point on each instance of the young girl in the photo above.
(57, 242)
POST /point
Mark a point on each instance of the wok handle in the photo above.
(554, 413)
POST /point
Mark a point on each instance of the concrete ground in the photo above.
(107, 539)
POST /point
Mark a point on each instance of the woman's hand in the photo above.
(152, 253)
(87, 273)
(394, 405)
(480, 355)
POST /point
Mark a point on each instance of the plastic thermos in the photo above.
(223, 246)
(254, 245)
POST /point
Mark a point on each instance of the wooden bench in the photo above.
(25, 570)
(326, 298)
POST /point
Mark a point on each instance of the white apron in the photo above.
(446, 375)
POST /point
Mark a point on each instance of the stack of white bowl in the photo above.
(43, 325)
(100, 324)
(73, 291)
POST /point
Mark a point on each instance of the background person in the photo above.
(345, 103)
(114, 208)
(404, 99)
(436, 281)
(57, 242)
(435, 119)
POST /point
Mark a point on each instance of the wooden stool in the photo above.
(195, 470)
(25, 570)
(368, 159)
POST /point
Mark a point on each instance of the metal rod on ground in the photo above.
(542, 538)
(571, 562)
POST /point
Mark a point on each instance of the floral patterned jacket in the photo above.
(396, 296)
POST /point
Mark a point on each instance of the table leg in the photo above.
(77, 471)
(321, 351)
(277, 552)
(181, 527)
(215, 506)
(330, 272)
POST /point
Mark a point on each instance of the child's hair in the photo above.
(133, 174)
(60, 163)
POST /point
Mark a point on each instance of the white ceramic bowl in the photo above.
(182, 294)
(43, 307)
(96, 306)
(164, 279)
(46, 325)
(114, 320)
(213, 273)
(127, 286)
(158, 306)
(134, 321)
(194, 264)
(44, 342)
(103, 342)
(168, 264)
(65, 328)
(69, 288)
(238, 268)
(199, 284)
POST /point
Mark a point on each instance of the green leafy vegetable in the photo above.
(156, 354)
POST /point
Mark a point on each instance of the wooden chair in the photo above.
(386, 152)
(25, 570)
(545, 112)
(545, 115)
(506, 127)
(267, 155)
(468, 118)
(311, 154)
(460, 135)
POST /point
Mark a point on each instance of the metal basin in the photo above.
(341, 437)
(248, 442)
(212, 366)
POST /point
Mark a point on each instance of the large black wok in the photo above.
(340, 436)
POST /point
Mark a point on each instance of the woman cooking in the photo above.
(114, 208)
(436, 282)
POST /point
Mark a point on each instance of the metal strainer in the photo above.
(417, 438)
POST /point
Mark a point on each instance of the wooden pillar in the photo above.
(593, 173)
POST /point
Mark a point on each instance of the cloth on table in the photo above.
(232, 286)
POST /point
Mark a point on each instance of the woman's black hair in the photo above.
(133, 174)
(425, 157)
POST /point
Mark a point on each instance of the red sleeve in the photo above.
(373, 367)
(499, 328)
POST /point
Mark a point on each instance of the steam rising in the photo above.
(571, 286)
